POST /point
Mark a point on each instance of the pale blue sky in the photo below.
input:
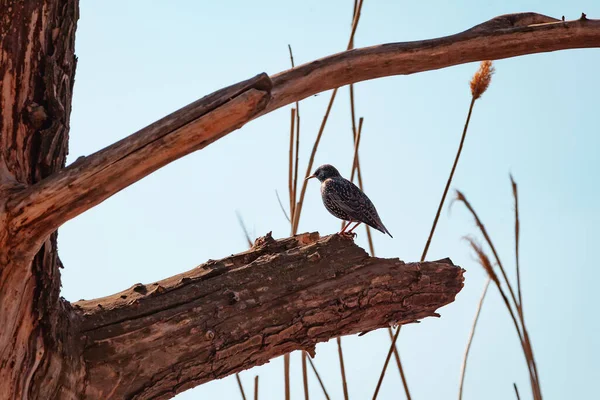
(139, 60)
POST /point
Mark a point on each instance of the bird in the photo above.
(344, 200)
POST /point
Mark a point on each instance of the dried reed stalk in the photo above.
(318, 378)
(479, 84)
(291, 163)
(296, 219)
(239, 382)
(286, 374)
(342, 369)
(256, 387)
(471, 335)
(520, 324)
(305, 375)
(385, 364)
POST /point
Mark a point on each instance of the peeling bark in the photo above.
(157, 340)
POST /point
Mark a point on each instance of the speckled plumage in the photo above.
(344, 200)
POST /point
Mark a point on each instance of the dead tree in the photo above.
(156, 340)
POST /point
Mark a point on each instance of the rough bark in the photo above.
(37, 66)
(316, 290)
(156, 340)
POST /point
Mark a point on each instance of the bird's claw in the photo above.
(348, 234)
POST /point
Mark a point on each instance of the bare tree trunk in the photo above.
(37, 66)
(115, 347)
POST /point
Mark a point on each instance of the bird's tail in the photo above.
(383, 229)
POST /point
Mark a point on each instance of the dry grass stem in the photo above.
(282, 207)
(246, 234)
(297, 149)
(298, 208)
(342, 368)
(516, 391)
(291, 163)
(385, 364)
(286, 374)
(517, 236)
(356, 18)
(305, 375)
(449, 181)
(462, 198)
(521, 329)
(256, 387)
(239, 382)
(463, 368)
(356, 144)
(482, 78)
(311, 161)
(399, 364)
(318, 378)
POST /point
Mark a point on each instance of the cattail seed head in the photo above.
(482, 78)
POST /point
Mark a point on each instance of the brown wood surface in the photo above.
(156, 340)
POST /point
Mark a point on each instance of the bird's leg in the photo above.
(345, 227)
(354, 227)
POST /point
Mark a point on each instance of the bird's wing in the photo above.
(355, 203)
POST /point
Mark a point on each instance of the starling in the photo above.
(346, 201)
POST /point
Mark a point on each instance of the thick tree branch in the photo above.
(154, 341)
(45, 206)
(505, 36)
(41, 208)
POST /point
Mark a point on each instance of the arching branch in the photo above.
(44, 206)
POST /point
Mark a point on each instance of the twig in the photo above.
(247, 236)
(342, 369)
(471, 335)
(387, 361)
(239, 381)
(305, 376)
(256, 387)
(318, 378)
(281, 206)
(449, 181)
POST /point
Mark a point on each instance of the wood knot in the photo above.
(36, 115)
(139, 288)
(234, 297)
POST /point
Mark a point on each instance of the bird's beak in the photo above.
(310, 177)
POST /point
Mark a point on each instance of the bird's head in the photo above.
(324, 172)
